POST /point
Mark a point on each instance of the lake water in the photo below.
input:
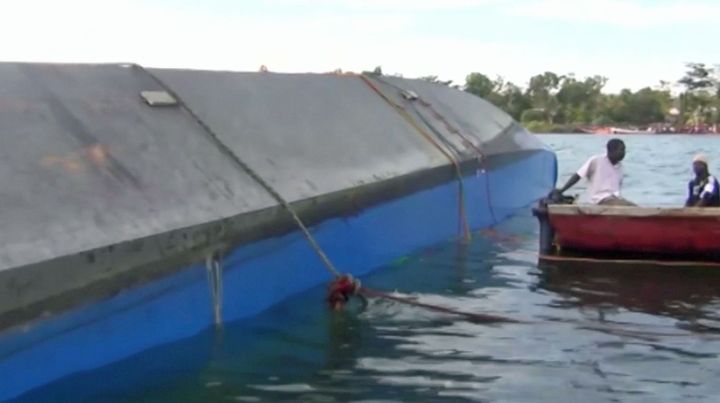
(647, 336)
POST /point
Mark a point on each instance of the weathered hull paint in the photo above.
(259, 275)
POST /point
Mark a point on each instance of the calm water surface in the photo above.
(593, 336)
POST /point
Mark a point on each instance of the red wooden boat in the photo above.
(636, 229)
(630, 235)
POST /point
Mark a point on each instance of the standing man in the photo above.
(604, 174)
(704, 190)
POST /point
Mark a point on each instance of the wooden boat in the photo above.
(659, 231)
(620, 130)
(607, 130)
(636, 236)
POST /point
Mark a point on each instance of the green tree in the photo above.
(514, 100)
(551, 99)
(435, 79)
(698, 77)
(491, 90)
(533, 115)
(699, 102)
(481, 85)
(505, 95)
(642, 107)
(377, 71)
(541, 93)
(579, 100)
(649, 106)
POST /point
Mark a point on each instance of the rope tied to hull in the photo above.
(462, 215)
(482, 157)
(340, 290)
(214, 269)
(344, 285)
(473, 317)
(251, 172)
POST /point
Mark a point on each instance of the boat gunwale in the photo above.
(632, 211)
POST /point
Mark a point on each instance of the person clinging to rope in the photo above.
(341, 289)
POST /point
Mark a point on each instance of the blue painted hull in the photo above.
(259, 275)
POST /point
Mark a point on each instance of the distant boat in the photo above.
(605, 130)
(618, 130)
(595, 130)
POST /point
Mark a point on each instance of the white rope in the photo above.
(214, 270)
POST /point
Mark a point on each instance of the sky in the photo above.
(635, 43)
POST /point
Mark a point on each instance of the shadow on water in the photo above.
(690, 296)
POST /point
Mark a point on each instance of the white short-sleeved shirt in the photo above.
(604, 178)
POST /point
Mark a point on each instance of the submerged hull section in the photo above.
(117, 205)
(256, 277)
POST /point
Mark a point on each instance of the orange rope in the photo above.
(470, 316)
(462, 215)
(437, 115)
(449, 127)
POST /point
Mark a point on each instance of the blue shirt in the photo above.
(707, 189)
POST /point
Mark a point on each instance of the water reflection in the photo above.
(345, 335)
(691, 296)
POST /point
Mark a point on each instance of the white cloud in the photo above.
(628, 13)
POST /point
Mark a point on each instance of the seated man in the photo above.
(604, 175)
(704, 190)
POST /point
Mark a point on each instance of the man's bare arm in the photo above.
(570, 183)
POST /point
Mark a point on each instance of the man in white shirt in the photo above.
(604, 174)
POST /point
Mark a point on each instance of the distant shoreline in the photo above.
(619, 128)
(624, 134)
